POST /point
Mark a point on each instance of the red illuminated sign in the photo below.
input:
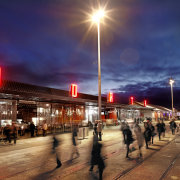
(132, 100)
(110, 97)
(145, 103)
(73, 90)
(0, 77)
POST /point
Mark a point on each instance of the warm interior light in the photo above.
(98, 16)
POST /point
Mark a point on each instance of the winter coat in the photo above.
(139, 135)
(128, 139)
(160, 127)
(172, 125)
(99, 127)
(147, 134)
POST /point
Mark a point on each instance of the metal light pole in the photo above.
(96, 18)
(99, 73)
(171, 81)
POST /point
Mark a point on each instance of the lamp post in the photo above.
(97, 19)
(171, 81)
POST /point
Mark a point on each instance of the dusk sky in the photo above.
(51, 43)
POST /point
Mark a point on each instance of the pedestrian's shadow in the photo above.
(157, 145)
(45, 175)
(137, 159)
(153, 149)
(164, 140)
(93, 176)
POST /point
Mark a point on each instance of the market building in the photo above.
(25, 103)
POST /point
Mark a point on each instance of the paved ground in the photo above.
(33, 159)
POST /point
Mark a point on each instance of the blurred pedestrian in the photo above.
(44, 128)
(95, 128)
(163, 128)
(147, 134)
(55, 145)
(177, 128)
(74, 142)
(7, 132)
(128, 139)
(173, 126)
(152, 128)
(159, 129)
(99, 130)
(32, 128)
(14, 132)
(96, 158)
(139, 137)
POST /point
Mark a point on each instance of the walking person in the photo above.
(147, 134)
(14, 132)
(32, 128)
(99, 130)
(159, 129)
(55, 145)
(177, 128)
(163, 126)
(128, 139)
(74, 142)
(44, 128)
(7, 132)
(139, 137)
(95, 129)
(96, 158)
(152, 128)
(173, 126)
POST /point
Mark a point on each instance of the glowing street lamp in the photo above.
(171, 81)
(96, 18)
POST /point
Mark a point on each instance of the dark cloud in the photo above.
(48, 43)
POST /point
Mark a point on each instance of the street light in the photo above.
(171, 81)
(96, 18)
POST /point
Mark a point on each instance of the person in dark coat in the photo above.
(147, 134)
(14, 132)
(96, 158)
(152, 131)
(173, 126)
(32, 128)
(163, 126)
(128, 139)
(55, 145)
(159, 129)
(95, 128)
(7, 132)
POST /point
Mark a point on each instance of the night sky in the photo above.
(52, 43)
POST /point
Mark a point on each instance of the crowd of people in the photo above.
(147, 135)
(11, 132)
(142, 134)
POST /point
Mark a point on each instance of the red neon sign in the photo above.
(145, 103)
(0, 77)
(110, 97)
(132, 100)
(73, 90)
